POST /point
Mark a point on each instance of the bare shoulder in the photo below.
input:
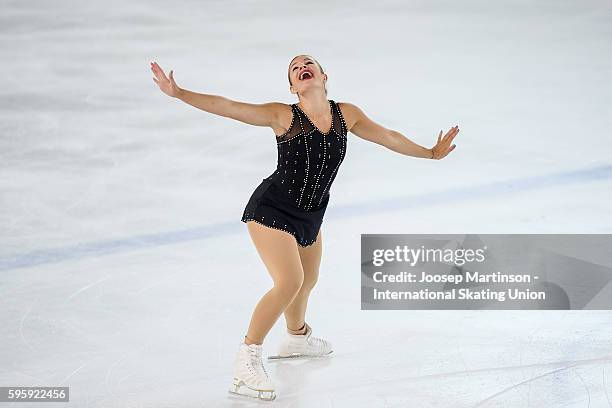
(283, 117)
(350, 112)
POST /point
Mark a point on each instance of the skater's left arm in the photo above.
(358, 123)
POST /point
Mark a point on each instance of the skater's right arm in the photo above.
(265, 114)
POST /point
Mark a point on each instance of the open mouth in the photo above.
(305, 75)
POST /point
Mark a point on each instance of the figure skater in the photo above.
(284, 214)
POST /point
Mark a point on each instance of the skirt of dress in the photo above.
(271, 207)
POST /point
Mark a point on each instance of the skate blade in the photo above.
(239, 388)
(298, 356)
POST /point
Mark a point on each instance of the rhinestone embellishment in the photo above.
(315, 164)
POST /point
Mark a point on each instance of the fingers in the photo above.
(158, 71)
(448, 151)
(452, 131)
(450, 135)
(155, 70)
(448, 138)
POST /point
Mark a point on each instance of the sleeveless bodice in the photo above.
(308, 159)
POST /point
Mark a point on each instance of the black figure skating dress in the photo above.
(295, 196)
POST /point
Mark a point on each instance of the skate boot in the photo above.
(250, 376)
(302, 345)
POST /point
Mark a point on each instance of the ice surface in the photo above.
(126, 274)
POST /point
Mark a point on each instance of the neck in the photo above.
(316, 105)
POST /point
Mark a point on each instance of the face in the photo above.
(306, 74)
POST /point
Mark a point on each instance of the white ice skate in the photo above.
(250, 376)
(302, 346)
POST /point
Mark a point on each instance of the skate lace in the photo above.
(257, 362)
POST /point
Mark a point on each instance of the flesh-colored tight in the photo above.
(294, 270)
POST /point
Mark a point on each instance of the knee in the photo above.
(310, 280)
(290, 287)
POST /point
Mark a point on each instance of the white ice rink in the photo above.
(126, 273)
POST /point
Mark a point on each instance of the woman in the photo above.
(285, 212)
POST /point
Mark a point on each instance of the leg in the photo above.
(279, 252)
(310, 258)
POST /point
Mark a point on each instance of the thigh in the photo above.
(279, 253)
(310, 258)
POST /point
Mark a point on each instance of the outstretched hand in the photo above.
(443, 146)
(167, 85)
